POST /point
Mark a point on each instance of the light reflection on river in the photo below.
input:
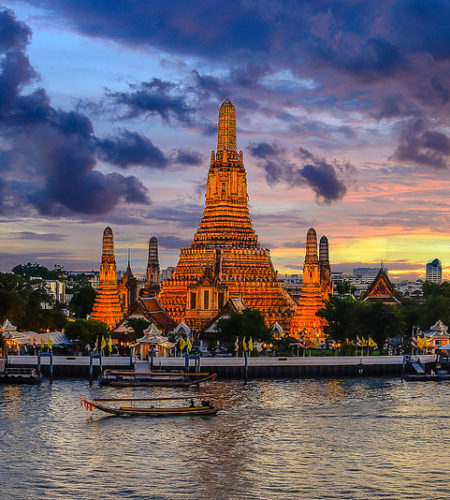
(352, 438)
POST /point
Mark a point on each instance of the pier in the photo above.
(258, 367)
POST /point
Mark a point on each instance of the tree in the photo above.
(37, 270)
(138, 325)
(82, 301)
(85, 331)
(248, 323)
(342, 315)
(345, 288)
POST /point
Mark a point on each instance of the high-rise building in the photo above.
(225, 260)
(434, 272)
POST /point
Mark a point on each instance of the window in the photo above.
(220, 298)
(206, 299)
(193, 300)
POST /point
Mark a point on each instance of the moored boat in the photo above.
(122, 407)
(20, 376)
(123, 378)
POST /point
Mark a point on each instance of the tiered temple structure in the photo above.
(325, 269)
(381, 290)
(305, 321)
(107, 305)
(127, 287)
(152, 284)
(225, 259)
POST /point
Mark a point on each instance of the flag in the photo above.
(363, 341)
(103, 343)
(42, 343)
(183, 343)
(110, 344)
(426, 345)
(250, 344)
(301, 343)
(50, 343)
(358, 341)
(413, 342)
(188, 344)
(244, 344)
(371, 343)
(419, 343)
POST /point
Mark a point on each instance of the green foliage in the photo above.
(345, 288)
(20, 301)
(82, 301)
(348, 318)
(248, 323)
(138, 325)
(37, 270)
(85, 331)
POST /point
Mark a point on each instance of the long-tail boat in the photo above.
(122, 407)
(123, 378)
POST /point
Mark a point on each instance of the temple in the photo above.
(127, 287)
(312, 298)
(152, 285)
(107, 306)
(381, 290)
(225, 259)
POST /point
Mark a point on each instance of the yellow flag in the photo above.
(250, 344)
(426, 345)
(183, 343)
(189, 344)
(371, 342)
(419, 342)
(244, 345)
(110, 344)
(42, 343)
(50, 343)
(103, 343)
(363, 341)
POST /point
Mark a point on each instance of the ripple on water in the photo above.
(361, 438)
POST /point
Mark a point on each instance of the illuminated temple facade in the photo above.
(315, 289)
(107, 307)
(225, 259)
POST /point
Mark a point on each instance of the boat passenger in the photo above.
(191, 403)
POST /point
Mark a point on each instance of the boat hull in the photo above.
(157, 412)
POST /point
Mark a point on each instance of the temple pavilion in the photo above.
(225, 259)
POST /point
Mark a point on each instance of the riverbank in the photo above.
(258, 367)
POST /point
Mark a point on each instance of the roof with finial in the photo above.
(128, 273)
(382, 288)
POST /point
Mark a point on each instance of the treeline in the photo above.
(348, 317)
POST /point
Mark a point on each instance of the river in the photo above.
(275, 439)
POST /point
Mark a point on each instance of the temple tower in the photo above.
(107, 305)
(127, 287)
(311, 297)
(224, 260)
(325, 269)
(152, 283)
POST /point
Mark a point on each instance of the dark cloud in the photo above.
(31, 235)
(293, 244)
(53, 149)
(316, 172)
(156, 97)
(130, 149)
(423, 147)
(187, 157)
(172, 242)
(185, 215)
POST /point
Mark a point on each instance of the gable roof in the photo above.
(381, 289)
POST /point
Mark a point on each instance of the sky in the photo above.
(108, 116)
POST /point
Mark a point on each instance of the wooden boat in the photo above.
(127, 407)
(123, 378)
(423, 377)
(20, 376)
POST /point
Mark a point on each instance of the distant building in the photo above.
(166, 274)
(367, 274)
(434, 272)
(292, 283)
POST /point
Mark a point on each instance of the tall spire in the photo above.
(107, 305)
(311, 247)
(226, 138)
(152, 284)
(323, 251)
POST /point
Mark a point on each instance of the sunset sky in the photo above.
(108, 115)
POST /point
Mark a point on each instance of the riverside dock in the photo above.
(258, 367)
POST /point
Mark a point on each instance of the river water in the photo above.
(350, 438)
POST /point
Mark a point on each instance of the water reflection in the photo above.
(360, 438)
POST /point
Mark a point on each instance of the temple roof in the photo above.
(381, 289)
